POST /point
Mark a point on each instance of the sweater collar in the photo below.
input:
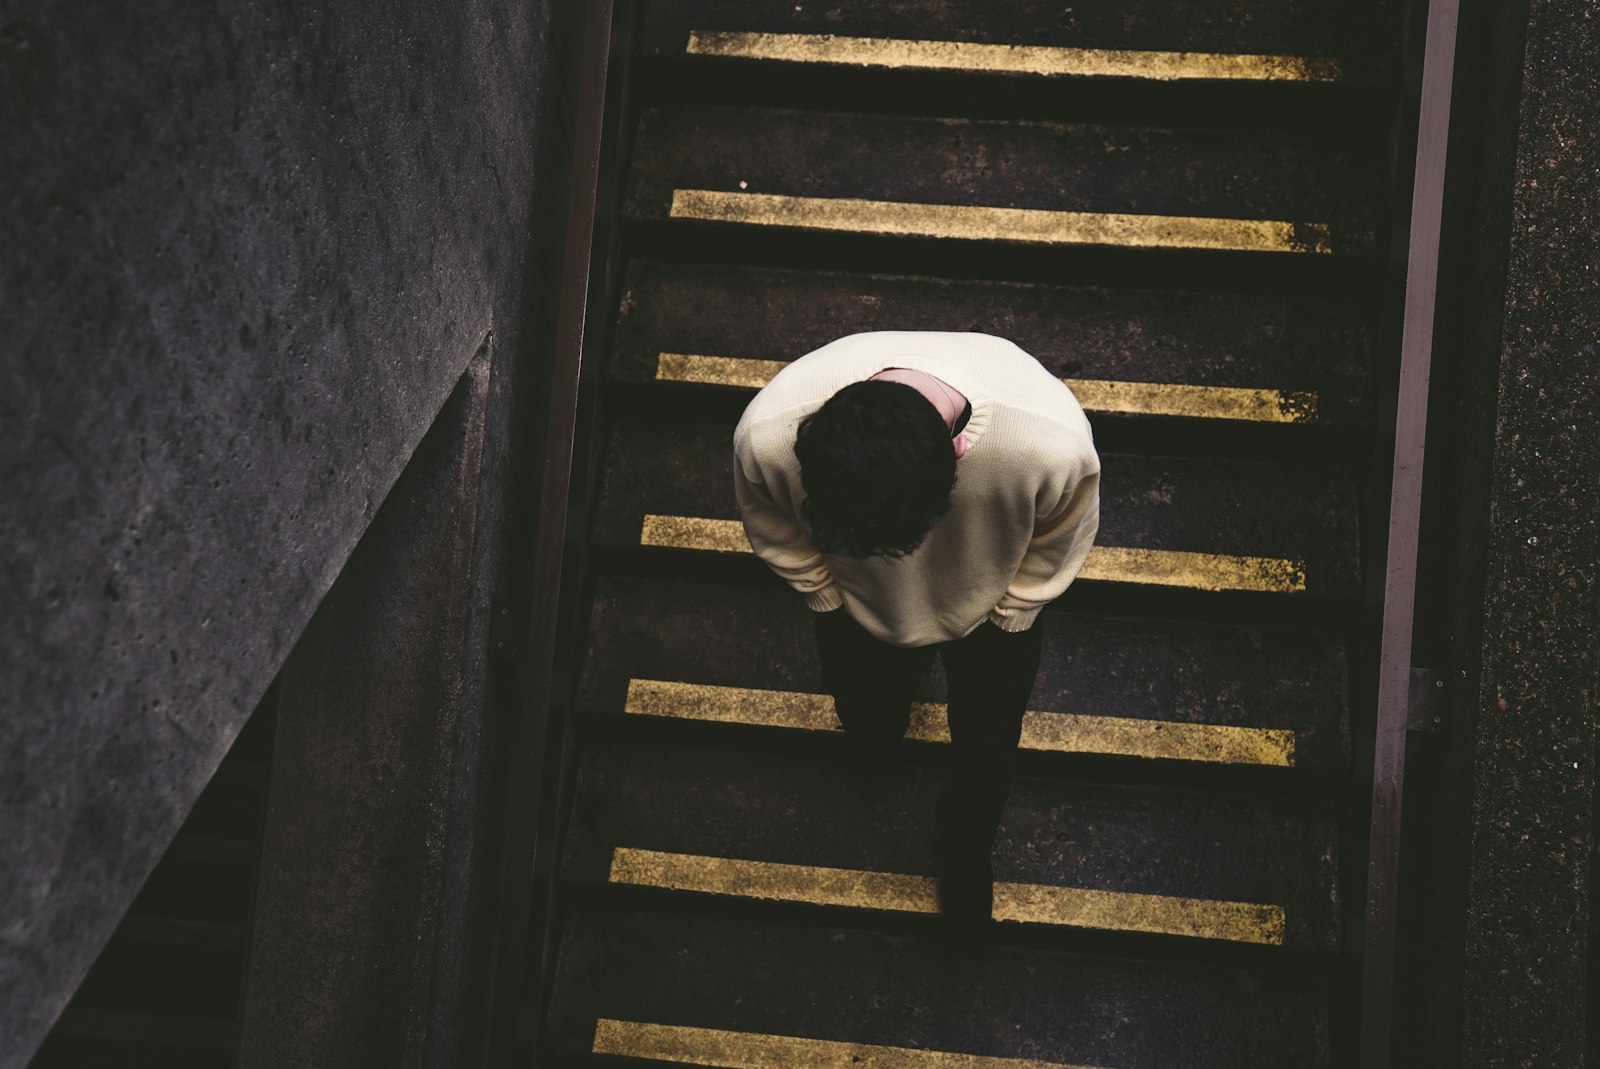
(955, 374)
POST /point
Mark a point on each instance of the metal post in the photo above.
(1405, 506)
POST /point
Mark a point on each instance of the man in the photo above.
(927, 493)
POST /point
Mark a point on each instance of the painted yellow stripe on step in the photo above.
(984, 223)
(1195, 402)
(730, 705)
(1028, 903)
(1045, 731)
(1198, 571)
(716, 370)
(1041, 60)
(1108, 564)
(1096, 395)
(757, 1050)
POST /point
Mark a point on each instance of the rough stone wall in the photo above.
(251, 248)
(1503, 829)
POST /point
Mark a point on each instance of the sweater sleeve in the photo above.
(1063, 534)
(782, 541)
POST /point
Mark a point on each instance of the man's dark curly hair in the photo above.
(878, 468)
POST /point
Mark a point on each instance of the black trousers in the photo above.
(990, 673)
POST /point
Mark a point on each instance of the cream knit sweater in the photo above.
(1022, 517)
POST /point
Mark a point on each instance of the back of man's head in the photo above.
(877, 466)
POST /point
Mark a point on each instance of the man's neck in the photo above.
(944, 397)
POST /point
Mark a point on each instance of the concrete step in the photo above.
(1317, 40)
(116, 1039)
(1162, 692)
(806, 829)
(198, 882)
(192, 976)
(664, 986)
(1024, 183)
(1166, 522)
(1259, 358)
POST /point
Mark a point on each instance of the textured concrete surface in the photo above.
(348, 912)
(1495, 898)
(1526, 967)
(862, 986)
(250, 250)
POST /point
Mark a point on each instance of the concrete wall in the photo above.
(1502, 830)
(251, 248)
(381, 693)
(1526, 963)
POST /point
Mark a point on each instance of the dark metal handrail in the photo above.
(538, 665)
(1405, 514)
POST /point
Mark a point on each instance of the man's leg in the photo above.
(991, 674)
(872, 682)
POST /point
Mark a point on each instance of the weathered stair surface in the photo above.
(1261, 527)
(791, 828)
(1232, 356)
(1353, 36)
(743, 662)
(745, 166)
(667, 986)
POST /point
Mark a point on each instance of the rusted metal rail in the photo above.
(1405, 515)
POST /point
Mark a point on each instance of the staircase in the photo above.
(168, 989)
(1182, 211)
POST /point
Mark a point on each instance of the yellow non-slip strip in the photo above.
(983, 223)
(1041, 60)
(1110, 564)
(756, 1050)
(1195, 402)
(1027, 903)
(1053, 732)
(1096, 395)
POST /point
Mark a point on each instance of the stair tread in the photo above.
(129, 1027)
(808, 810)
(1307, 29)
(1305, 344)
(197, 887)
(1262, 511)
(1308, 180)
(193, 978)
(175, 932)
(1280, 680)
(866, 987)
